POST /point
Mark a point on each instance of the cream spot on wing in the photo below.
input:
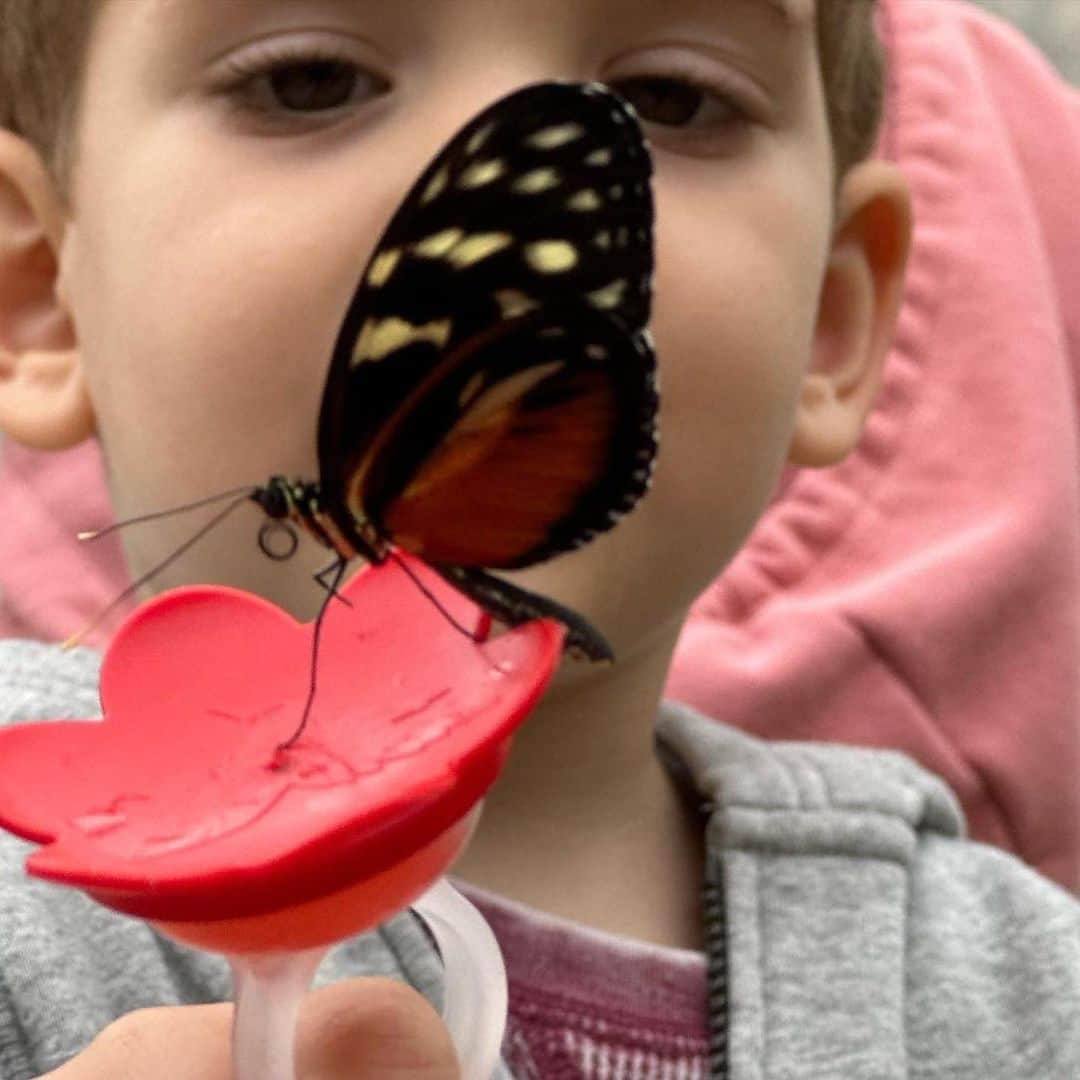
(481, 172)
(438, 244)
(584, 200)
(382, 266)
(603, 239)
(551, 256)
(478, 139)
(380, 337)
(602, 156)
(532, 183)
(610, 296)
(476, 247)
(436, 186)
(616, 191)
(551, 138)
(513, 303)
(596, 352)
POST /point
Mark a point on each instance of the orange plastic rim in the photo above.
(333, 917)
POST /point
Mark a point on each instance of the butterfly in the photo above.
(492, 400)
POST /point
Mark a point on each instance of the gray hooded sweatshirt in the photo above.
(853, 932)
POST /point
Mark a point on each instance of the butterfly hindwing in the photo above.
(526, 444)
(536, 219)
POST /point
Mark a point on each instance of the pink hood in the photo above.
(924, 595)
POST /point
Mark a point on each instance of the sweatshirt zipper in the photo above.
(716, 946)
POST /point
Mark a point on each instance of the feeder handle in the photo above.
(474, 995)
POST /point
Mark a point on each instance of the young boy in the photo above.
(181, 222)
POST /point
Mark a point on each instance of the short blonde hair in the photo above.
(43, 45)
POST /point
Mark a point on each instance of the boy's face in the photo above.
(222, 216)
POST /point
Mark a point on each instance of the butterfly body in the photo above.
(491, 400)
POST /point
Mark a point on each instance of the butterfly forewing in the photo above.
(536, 218)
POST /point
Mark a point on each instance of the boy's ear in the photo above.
(860, 301)
(44, 401)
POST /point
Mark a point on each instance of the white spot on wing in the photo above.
(472, 249)
(551, 138)
(551, 256)
(478, 139)
(438, 244)
(481, 172)
(382, 266)
(532, 183)
(513, 303)
(610, 296)
(436, 185)
(380, 337)
(584, 200)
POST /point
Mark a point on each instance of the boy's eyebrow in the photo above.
(781, 8)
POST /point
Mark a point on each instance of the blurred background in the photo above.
(1054, 25)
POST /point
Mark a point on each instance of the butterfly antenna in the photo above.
(331, 592)
(431, 596)
(135, 586)
(95, 534)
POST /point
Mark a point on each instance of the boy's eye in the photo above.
(296, 85)
(314, 85)
(675, 102)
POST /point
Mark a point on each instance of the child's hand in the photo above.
(358, 1029)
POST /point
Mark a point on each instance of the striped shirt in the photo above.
(587, 1005)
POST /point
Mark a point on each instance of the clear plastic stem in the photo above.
(269, 988)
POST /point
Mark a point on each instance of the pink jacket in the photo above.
(925, 594)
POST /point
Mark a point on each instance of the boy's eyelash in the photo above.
(263, 59)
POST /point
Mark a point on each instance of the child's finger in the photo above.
(189, 1043)
(372, 1029)
(359, 1029)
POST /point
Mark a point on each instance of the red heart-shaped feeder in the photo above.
(179, 808)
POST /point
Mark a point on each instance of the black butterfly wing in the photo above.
(522, 254)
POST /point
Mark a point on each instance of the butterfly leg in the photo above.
(513, 605)
(434, 599)
(336, 568)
